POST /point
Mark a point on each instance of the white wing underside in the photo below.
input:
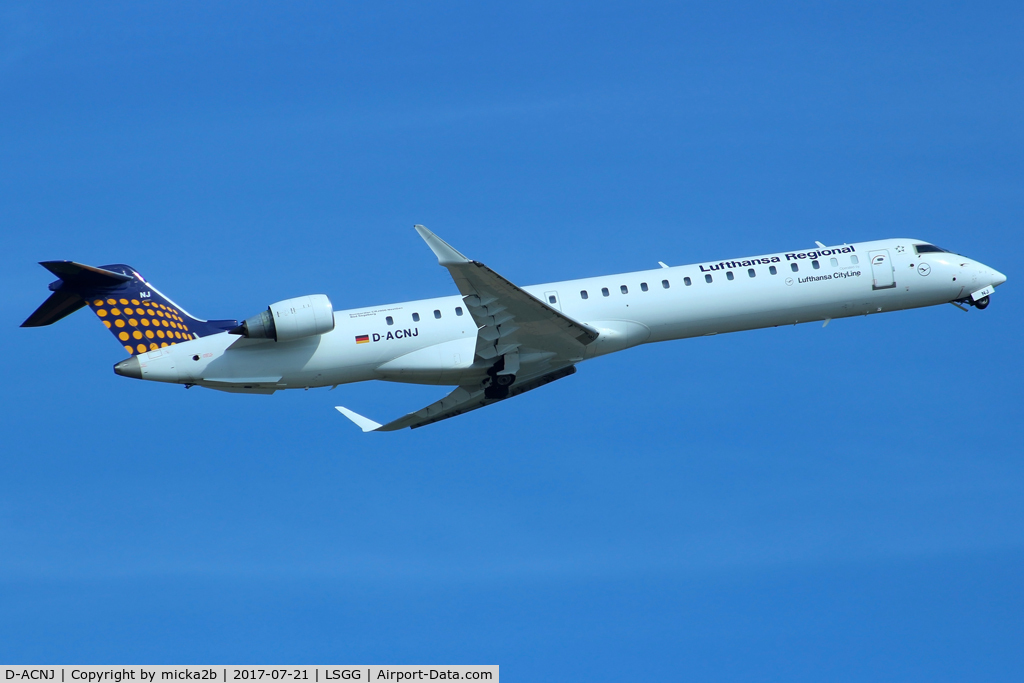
(461, 400)
(518, 333)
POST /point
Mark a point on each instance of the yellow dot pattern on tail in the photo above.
(167, 326)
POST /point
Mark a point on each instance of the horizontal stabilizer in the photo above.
(81, 276)
(59, 305)
(75, 279)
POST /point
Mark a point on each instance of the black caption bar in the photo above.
(237, 674)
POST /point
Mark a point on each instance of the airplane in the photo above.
(495, 340)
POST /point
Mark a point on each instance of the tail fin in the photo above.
(139, 316)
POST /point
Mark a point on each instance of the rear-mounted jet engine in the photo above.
(303, 316)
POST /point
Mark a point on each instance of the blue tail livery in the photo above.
(139, 316)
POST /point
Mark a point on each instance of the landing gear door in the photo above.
(881, 270)
(551, 299)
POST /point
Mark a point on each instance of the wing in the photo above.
(513, 323)
(462, 400)
(525, 342)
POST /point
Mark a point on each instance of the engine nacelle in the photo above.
(303, 316)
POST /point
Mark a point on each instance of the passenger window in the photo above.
(751, 273)
(583, 294)
(664, 284)
(794, 267)
(389, 320)
(415, 317)
(854, 260)
(707, 278)
(815, 264)
(643, 286)
(773, 270)
(458, 310)
(834, 261)
(551, 299)
(687, 281)
(604, 291)
(624, 289)
(437, 314)
(728, 275)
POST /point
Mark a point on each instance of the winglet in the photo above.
(364, 423)
(446, 253)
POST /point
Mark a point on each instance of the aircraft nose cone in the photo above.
(998, 278)
(129, 367)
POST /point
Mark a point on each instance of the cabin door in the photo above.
(881, 270)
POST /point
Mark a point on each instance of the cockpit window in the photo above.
(929, 249)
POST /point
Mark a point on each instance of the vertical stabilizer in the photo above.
(139, 316)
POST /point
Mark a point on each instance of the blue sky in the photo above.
(799, 503)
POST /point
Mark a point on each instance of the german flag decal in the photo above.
(363, 339)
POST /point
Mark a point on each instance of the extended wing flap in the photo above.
(495, 295)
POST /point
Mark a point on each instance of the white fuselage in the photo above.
(429, 342)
